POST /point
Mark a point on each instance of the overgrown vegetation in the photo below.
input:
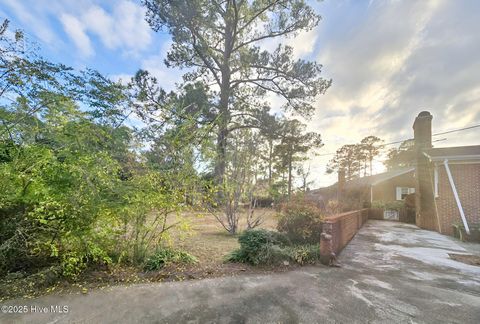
(81, 188)
(164, 256)
(263, 247)
(74, 193)
(301, 222)
(388, 205)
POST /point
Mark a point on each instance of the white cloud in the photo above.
(304, 43)
(395, 60)
(76, 31)
(124, 28)
(167, 77)
(40, 28)
(132, 27)
(123, 78)
(102, 24)
(118, 24)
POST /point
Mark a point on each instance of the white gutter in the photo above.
(457, 199)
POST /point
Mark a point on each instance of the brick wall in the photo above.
(375, 213)
(467, 181)
(343, 228)
(426, 215)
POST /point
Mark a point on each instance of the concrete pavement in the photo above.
(392, 273)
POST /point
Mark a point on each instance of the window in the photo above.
(402, 192)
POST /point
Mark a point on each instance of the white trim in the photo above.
(457, 199)
(464, 157)
(461, 162)
(435, 179)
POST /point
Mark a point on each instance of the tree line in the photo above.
(80, 186)
(356, 160)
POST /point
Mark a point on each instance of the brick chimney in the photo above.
(426, 214)
(341, 184)
(422, 130)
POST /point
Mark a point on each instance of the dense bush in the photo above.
(259, 247)
(66, 199)
(301, 222)
(303, 254)
(389, 205)
(166, 256)
(263, 247)
(354, 199)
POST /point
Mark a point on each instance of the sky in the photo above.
(388, 59)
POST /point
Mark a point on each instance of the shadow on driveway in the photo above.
(392, 273)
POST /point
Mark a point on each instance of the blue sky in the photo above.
(389, 59)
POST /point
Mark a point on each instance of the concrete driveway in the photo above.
(392, 273)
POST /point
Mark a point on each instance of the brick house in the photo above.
(390, 186)
(447, 182)
(385, 187)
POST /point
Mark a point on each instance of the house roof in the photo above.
(454, 153)
(366, 181)
(378, 178)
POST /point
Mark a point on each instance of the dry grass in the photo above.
(207, 241)
(210, 242)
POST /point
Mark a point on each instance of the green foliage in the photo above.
(151, 207)
(252, 240)
(74, 191)
(262, 247)
(224, 47)
(356, 159)
(388, 205)
(305, 254)
(164, 256)
(301, 222)
(401, 157)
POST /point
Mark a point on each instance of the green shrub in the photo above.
(305, 254)
(253, 239)
(74, 263)
(260, 246)
(301, 222)
(166, 256)
(389, 205)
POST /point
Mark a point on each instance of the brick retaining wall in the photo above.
(342, 228)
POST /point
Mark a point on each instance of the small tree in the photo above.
(240, 180)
